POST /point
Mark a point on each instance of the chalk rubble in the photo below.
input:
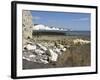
(40, 53)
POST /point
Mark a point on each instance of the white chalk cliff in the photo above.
(43, 27)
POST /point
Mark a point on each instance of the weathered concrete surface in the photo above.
(27, 25)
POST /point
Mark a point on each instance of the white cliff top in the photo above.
(43, 27)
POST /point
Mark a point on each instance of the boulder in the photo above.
(64, 49)
(30, 47)
(53, 55)
(32, 56)
(57, 50)
(42, 47)
(41, 59)
(39, 51)
(28, 59)
(60, 46)
(67, 46)
(44, 61)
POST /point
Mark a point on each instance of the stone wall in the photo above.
(26, 25)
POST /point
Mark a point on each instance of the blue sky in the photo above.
(73, 21)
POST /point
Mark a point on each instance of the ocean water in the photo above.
(67, 33)
(78, 33)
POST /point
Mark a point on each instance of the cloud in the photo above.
(80, 19)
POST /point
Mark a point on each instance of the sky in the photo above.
(67, 20)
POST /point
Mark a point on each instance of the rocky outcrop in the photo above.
(42, 53)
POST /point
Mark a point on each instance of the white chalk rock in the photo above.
(44, 61)
(23, 57)
(42, 47)
(64, 49)
(67, 46)
(26, 58)
(39, 51)
(30, 47)
(32, 56)
(58, 51)
(61, 46)
(81, 41)
(53, 55)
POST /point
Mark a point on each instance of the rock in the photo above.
(42, 47)
(80, 41)
(26, 53)
(41, 54)
(53, 55)
(41, 59)
(57, 50)
(44, 61)
(64, 49)
(39, 51)
(32, 56)
(67, 46)
(60, 46)
(28, 59)
(30, 47)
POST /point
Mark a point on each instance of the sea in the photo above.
(78, 33)
(67, 33)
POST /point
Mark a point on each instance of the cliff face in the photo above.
(26, 25)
